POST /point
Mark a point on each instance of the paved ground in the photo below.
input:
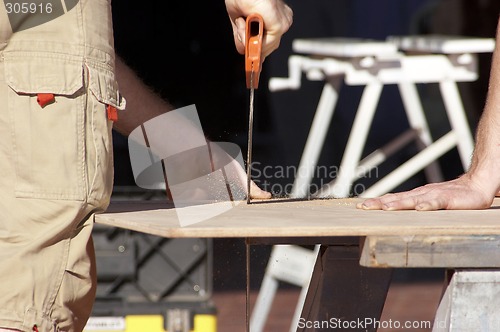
(413, 302)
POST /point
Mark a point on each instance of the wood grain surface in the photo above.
(299, 218)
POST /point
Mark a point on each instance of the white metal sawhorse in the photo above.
(278, 268)
(375, 64)
(287, 263)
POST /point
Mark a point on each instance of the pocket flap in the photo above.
(103, 85)
(35, 73)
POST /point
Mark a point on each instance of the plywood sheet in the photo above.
(292, 218)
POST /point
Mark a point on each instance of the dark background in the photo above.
(184, 50)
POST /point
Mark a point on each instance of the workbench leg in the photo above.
(343, 291)
(471, 303)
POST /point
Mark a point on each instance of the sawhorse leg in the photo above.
(342, 290)
(458, 121)
(341, 186)
(459, 136)
(417, 120)
(316, 138)
(471, 303)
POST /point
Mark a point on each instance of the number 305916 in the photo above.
(28, 8)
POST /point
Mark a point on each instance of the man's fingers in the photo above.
(379, 202)
(239, 34)
(270, 41)
(388, 201)
(429, 206)
(420, 202)
(370, 204)
(458, 194)
(277, 20)
(240, 25)
(270, 45)
(273, 34)
(257, 193)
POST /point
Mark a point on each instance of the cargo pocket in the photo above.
(48, 142)
(104, 101)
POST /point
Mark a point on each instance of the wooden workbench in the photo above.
(353, 270)
(299, 218)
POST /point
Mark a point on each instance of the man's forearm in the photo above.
(142, 103)
(486, 159)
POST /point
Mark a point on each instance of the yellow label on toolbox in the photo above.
(145, 323)
(149, 323)
(205, 323)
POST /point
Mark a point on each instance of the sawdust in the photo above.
(301, 203)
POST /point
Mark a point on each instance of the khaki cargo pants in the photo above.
(56, 165)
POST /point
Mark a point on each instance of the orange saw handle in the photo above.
(254, 33)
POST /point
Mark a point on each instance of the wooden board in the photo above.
(458, 251)
(292, 218)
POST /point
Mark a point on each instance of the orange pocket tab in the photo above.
(43, 99)
(112, 113)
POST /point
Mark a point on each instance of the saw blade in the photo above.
(250, 131)
(254, 32)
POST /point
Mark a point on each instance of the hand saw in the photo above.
(254, 32)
